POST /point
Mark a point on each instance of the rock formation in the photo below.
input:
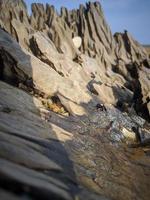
(54, 143)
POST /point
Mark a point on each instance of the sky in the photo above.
(131, 15)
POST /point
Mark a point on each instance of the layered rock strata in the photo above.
(69, 116)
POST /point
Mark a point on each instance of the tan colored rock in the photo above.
(45, 79)
(129, 135)
(77, 41)
(15, 20)
(129, 50)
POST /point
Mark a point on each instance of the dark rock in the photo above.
(101, 107)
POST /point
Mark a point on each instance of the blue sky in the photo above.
(131, 15)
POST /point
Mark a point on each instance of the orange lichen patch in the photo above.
(55, 107)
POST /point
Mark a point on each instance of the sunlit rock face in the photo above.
(74, 106)
(117, 60)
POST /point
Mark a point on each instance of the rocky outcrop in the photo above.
(128, 49)
(27, 69)
(120, 57)
(35, 153)
(15, 20)
(49, 21)
(97, 39)
(73, 100)
(25, 157)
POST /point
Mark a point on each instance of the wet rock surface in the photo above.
(74, 122)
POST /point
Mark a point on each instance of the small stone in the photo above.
(77, 42)
(128, 134)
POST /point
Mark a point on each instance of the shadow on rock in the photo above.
(33, 161)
